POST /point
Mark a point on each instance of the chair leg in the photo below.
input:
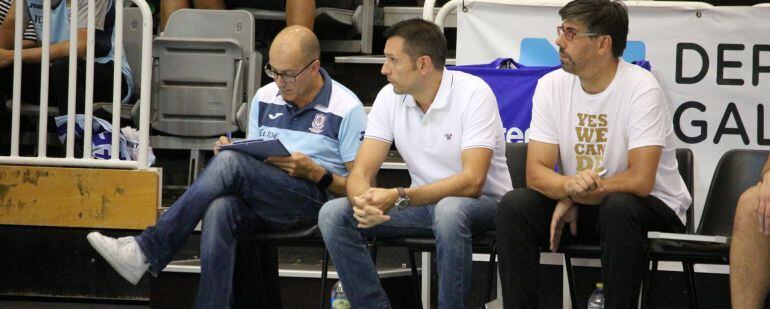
(491, 273)
(373, 250)
(570, 280)
(324, 271)
(692, 288)
(647, 284)
(415, 278)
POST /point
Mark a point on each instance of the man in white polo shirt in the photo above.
(446, 126)
(607, 124)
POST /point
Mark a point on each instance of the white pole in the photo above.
(73, 69)
(45, 61)
(15, 111)
(116, 79)
(144, 97)
(89, 103)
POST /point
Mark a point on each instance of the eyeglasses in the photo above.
(289, 78)
(569, 33)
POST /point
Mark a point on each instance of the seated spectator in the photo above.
(447, 127)
(607, 124)
(59, 55)
(750, 246)
(298, 12)
(237, 194)
(29, 39)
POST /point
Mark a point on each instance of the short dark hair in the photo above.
(421, 38)
(603, 17)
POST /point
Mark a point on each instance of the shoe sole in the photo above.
(95, 239)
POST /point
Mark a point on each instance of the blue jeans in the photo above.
(453, 221)
(235, 195)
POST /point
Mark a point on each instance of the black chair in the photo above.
(302, 237)
(516, 155)
(592, 251)
(736, 171)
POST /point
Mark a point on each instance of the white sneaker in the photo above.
(123, 254)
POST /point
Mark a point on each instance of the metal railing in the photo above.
(144, 98)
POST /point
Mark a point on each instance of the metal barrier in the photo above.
(144, 98)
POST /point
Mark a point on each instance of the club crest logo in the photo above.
(448, 136)
(318, 123)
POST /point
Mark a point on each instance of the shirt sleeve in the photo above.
(482, 126)
(380, 124)
(29, 33)
(253, 130)
(352, 132)
(648, 120)
(542, 128)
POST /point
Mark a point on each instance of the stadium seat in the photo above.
(736, 171)
(201, 77)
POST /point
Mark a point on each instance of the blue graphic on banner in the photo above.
(540, 52)
(514, 85)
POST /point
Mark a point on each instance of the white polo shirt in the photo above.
(463, 115)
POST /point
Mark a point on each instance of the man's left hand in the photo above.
(297, 165)
(373, 205)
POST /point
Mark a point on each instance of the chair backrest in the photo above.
(684, 158)
(736, 171)
(132, 42)
(200, 72)
(217, 24)
(516, 157)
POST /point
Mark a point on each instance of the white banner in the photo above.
(712, 62)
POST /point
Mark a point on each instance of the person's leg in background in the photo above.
(301, 13)
(102, 84)
(749, 255)
(167, 7)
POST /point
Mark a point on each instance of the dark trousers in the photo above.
(58, 84)
(619, 224)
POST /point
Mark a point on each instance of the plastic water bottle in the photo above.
(596, 300)
(338, 298)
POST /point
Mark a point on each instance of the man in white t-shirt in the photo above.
(446, 126)
(750, 246)
(607, 124)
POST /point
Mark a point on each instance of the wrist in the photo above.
(317, 174)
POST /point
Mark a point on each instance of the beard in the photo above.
(567, 64)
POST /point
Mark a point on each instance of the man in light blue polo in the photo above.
(316, 118)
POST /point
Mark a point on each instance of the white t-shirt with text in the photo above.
(596, 131)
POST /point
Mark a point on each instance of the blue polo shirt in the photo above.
(328, 130)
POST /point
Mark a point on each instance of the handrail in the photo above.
(144, 97)
(444, 12)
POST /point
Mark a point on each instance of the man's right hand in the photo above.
(221, 142)
(583, 183)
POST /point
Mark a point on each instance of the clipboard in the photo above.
(260, 149)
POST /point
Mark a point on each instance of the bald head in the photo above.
(297, 43)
